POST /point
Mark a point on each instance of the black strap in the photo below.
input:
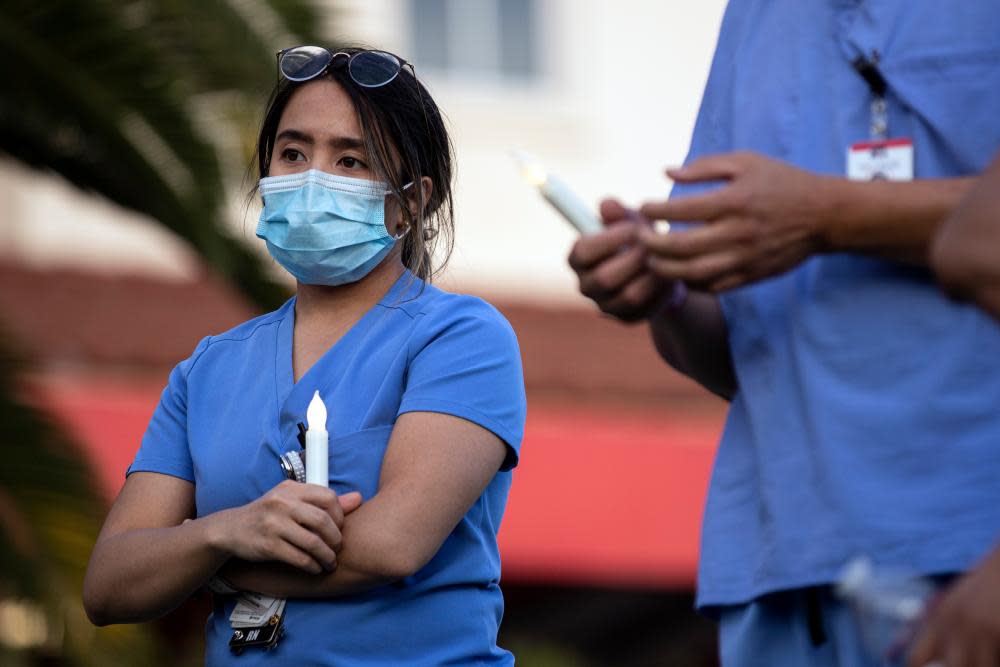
(814, 617)
(868, 69)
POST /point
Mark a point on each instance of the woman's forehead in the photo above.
(321, 107)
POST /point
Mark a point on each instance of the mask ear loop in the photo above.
(406, 231)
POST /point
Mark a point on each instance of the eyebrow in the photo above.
(336, 142)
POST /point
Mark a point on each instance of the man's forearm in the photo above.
(887, 219)
(694, 340)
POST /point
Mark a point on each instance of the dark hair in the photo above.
(402, 118)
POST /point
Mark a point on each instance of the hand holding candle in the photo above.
(317, 443)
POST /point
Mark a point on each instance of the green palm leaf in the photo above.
(109, 94)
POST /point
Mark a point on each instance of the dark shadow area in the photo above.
(548, 626)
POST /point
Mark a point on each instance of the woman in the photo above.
(397, 562)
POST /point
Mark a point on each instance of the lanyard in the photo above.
(869, 71)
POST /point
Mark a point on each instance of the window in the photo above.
(496, 38)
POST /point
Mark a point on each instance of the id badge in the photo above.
(257, 622)
(881, 160)
(264, 637)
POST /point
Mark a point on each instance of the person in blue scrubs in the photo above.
(864, 404)
(397, 562)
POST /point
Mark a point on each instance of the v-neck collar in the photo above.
(286, 386)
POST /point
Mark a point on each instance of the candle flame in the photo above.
(532, 170)
(316, 414)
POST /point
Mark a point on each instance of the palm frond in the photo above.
(104, 92)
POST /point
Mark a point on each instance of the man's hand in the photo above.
(611, 266)
(963, 626)
(765, 220)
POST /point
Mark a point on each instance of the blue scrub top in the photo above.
(868, 414)
(231, 409)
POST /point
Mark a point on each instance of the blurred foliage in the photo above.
(50, 514)
(142, 101)
(151, 104)
(540, 653)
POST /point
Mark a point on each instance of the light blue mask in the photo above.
(324, 229)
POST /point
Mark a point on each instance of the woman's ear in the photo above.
(413, 203)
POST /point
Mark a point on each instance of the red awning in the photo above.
(601, 497)
(608, 498)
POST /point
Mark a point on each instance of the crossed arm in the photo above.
(424, 491)
(298, 539)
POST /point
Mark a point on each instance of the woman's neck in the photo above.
(350, 301)
(323, 314)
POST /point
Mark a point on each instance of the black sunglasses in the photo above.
(368, 69)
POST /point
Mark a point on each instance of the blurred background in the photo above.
(126, 129)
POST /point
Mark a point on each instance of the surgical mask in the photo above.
(324, 229)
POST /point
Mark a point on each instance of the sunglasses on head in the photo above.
(368, 69)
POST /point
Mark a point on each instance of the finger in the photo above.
(983, 653)
(703, 207)
(612, 275)
(593, 249)
(319, 523)
(723, 235)
(310, 543)
(350, 502)
(728, 282)
(336, 512)
(700, 271)
(288, 553)
(612, 211)
(924, 648)
(325, 499)
(955, 654)
(709, 168)
(633, 301)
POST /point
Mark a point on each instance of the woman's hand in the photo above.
(435, 468)
(293, 523)
(146, 542)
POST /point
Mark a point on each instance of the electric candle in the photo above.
(574, 209)
(317, 443)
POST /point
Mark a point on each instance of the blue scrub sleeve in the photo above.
(164, 447)
(471, 368)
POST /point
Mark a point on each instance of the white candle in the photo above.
(557, 193)
(317, 443)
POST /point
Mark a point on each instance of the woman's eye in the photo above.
(292, 155)
(352, 162)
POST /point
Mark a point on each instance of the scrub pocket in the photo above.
(951, 89)
(356, 460)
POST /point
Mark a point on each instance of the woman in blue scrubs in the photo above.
(397, 562)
